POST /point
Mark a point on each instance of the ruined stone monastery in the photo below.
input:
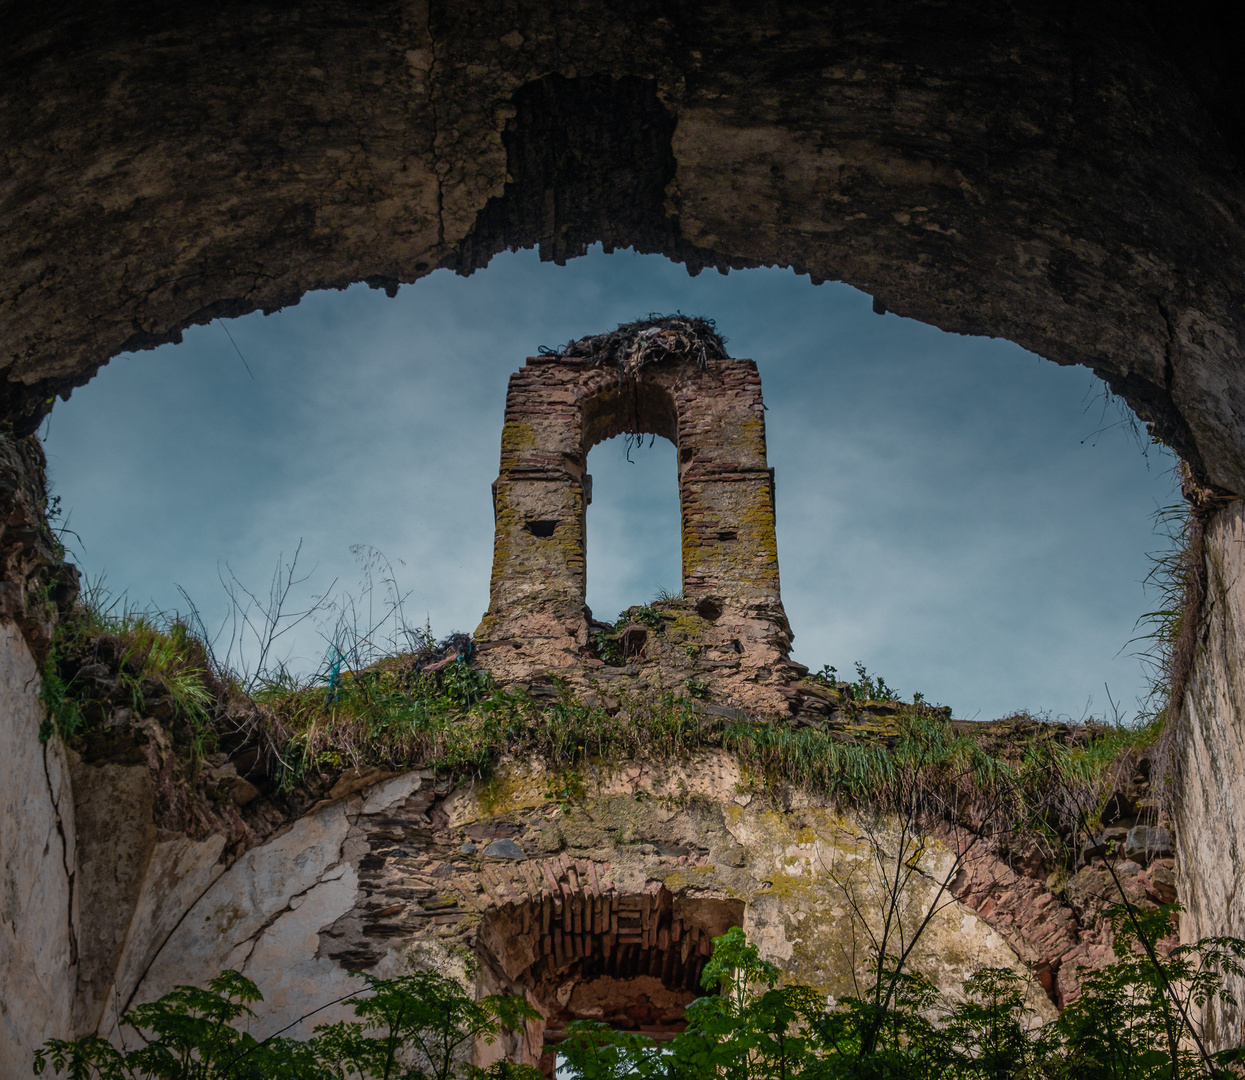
(1070, 179)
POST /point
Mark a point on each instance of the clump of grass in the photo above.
(389, 714)
(1070, 781)
(1087, 766)
(1047, 780)
(926, 750)
(106, 656)
(1175, 580)
(458, 722)
(866, 687)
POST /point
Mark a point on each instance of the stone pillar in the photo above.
(536, 595)
(726, 489)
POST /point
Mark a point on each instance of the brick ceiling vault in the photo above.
(1067, 177)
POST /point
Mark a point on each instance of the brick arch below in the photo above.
(584, 951)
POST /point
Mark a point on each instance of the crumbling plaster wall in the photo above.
(1210, 766)
(38, 941)
(40, 879)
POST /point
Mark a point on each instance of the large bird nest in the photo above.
(649, 341)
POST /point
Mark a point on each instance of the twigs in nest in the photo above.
(647, 341)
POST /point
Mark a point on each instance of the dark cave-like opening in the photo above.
(630, 959)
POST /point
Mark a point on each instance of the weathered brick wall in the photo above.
(557, 409)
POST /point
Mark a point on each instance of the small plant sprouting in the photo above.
(64, 712)
(609, 641)
(866, 687)
(565, 788)
(648, 616)
(698, 688)
(871, 687)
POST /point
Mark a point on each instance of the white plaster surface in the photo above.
(380, 798)
(37, 951)
(179, 873)
(1211, 809)
(226, 925)
(282, 961)
(263, 916)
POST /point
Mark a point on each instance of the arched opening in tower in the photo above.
(633, 550)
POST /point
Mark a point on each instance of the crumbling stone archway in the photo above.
(1067, 179)
(557, 408)
(585, 951)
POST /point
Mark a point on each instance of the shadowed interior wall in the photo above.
(991, 169)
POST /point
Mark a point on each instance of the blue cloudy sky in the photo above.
(963, 517)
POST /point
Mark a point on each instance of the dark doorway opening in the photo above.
(632, 960)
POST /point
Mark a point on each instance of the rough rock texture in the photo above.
(1210, 808)
(39, 881)
(38, 939)
(89, 886)
(1067, 180)
(557, 409)
(177, 873)
(115, 829)
(35, 581)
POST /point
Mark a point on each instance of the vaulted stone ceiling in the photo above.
(1063, 175)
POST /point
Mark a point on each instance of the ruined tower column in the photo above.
(726, 490)
(670, 378)
(536, 594)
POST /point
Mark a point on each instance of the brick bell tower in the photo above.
(669, 377)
